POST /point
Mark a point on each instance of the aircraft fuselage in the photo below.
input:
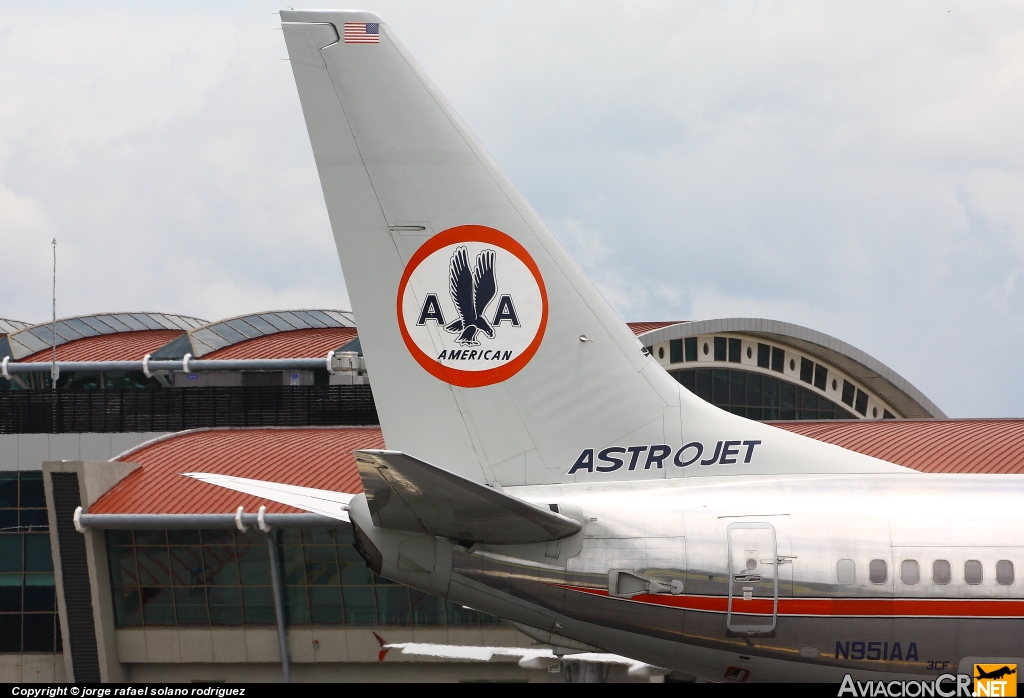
(766, 577)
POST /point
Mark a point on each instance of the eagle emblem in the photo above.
(471, 291)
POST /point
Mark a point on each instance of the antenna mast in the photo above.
(54, 371)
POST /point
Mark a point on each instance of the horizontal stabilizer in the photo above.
(324, 502)
(529, 657)
(407, 494)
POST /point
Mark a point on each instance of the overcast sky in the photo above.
(857, 168)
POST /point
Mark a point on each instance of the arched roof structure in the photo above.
(8, 326)
(890, 387)
(260, 335)
(106, 337)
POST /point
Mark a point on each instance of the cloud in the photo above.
(858, 169)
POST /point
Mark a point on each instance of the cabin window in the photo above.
(972, 572)
(941, 572)
(910, 572)
(1004, 572)
(878, 572)
(846, 572)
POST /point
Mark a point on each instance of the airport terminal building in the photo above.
(113, 567)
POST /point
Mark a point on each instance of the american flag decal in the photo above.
(362, 33)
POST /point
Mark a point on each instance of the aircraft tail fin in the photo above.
(490, 352)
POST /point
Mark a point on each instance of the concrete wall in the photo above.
(32, 668)
(94, 479)
(28, 451)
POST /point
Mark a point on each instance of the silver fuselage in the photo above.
(750, 574)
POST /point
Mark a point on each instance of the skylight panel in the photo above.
(298, 322)
(277, 321)
(209, 338)
(244, 328)
(131, 321)
(115, 324)
(81, 327)
(261, 324)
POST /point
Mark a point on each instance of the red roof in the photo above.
(640, 328)
(322, 458)
(121, 346)
(294, 344)
(931, 446)
(308, 457)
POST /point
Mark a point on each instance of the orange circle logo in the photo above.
(472, 306)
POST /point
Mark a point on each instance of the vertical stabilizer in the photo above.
(491, 354)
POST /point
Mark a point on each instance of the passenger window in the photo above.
(910, 572)
(972, 572)
(878, 572)
(846, 572)
(1004, 572)
(941, 572)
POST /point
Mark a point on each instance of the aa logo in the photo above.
(995, 679)
(472, 307)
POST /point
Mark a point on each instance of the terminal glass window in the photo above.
(778, 359)
(756, 396)
(862, 402)
(675, 351)
(28, 599)
(690, 346)
(222, 577)
(820, 376)
(764, 353)
(734, 350)
(720, 352)
(848, 392)
(806, 370)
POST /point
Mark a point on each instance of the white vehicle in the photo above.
(544, 469)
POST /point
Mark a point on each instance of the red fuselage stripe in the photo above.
(942, 608)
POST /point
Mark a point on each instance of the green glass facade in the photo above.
(222, 578)
(757, 396)
(28, 599)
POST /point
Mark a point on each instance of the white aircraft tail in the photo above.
(491, 354)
